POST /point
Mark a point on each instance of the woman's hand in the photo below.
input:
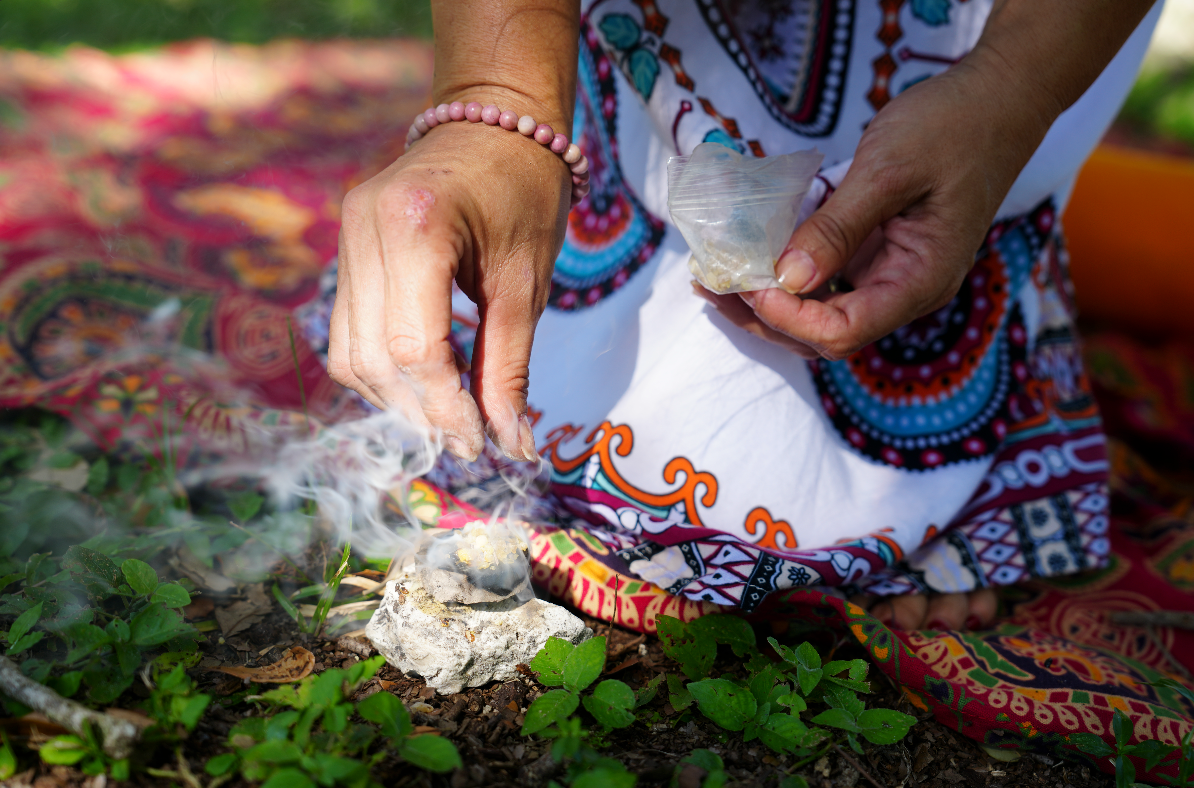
(471, 203)
(928, 176)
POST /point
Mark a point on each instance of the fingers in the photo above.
(823, 245)
(902, 612)
(733, 308)
(339, 367)
(501, 370)
(896, 288)
(409, 309)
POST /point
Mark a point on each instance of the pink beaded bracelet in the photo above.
(492, 116)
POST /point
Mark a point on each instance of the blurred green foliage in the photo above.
(1162, 103)
(132, 24)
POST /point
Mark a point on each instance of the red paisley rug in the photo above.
(162, 214)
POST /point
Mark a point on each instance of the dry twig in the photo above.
(857, 766)
(119, 736)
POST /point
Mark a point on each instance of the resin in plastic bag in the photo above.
(737, 212)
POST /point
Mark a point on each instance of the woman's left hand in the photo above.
(902, 228)
(928, 176)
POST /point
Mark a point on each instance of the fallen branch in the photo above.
(119, 736)
(857, 767)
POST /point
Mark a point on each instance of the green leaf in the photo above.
(192, 710)
(25, 643)
(388, 712)
(646, 693)
(275, 751)
(63, 751)
(1091, 744)
(605, 778)
(612, 704)
(783, 732)
(128, 657)
(97, 477)
(1122, 725)
(842, 698)
(884, 726)
(793, 781)
(331, 769)
(837, 718)
(549, 662)
(761, 684)
(221, 764)
(8, 759)
(171, 595)
(118, 630)
(857, 672)
(289, 777)
(155, 625)
(245, 506)
(678, 694)
(360, 672)
(67, 684)
(552, 706)
(1153, 752)
(140, 576)
(724, 702)
(12, 535)
(733, 631)
(86, 638)
(85, 560)
(431, 753)
(584, 664)
(105, 683)
(793, 700)
(165, 663)
(695, 654)
(808, 668)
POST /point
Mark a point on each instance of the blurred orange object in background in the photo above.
(1130, 228)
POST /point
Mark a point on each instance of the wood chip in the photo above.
(295, 665)
(239, 616)
(188, 564)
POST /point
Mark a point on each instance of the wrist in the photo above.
(540, 104)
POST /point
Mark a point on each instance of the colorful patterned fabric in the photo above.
(164, 214)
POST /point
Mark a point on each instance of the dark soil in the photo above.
(484, 723)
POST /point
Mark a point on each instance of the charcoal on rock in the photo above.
(461, 622)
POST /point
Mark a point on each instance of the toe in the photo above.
(946, 611)
(907, 612)
(982, 605)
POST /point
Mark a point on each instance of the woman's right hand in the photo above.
(471, 203)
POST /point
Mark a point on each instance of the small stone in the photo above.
(408, 629)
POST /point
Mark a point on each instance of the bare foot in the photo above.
(975, 610)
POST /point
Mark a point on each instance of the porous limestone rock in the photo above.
(454, 645)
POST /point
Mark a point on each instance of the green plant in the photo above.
(308, 738)
(84, 752)
(770, 702)
(1155, 754)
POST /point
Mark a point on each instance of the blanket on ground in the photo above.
(162, 215)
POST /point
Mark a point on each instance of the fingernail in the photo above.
(527, 438)
(795, 270)
(456, 446)
(938, 624)
(972, 623)
(749, 298)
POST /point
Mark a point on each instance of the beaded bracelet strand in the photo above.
(492, 116)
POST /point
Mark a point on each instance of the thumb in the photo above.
(830, 237)
(501, 372)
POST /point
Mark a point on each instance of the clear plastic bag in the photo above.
(737, 212)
